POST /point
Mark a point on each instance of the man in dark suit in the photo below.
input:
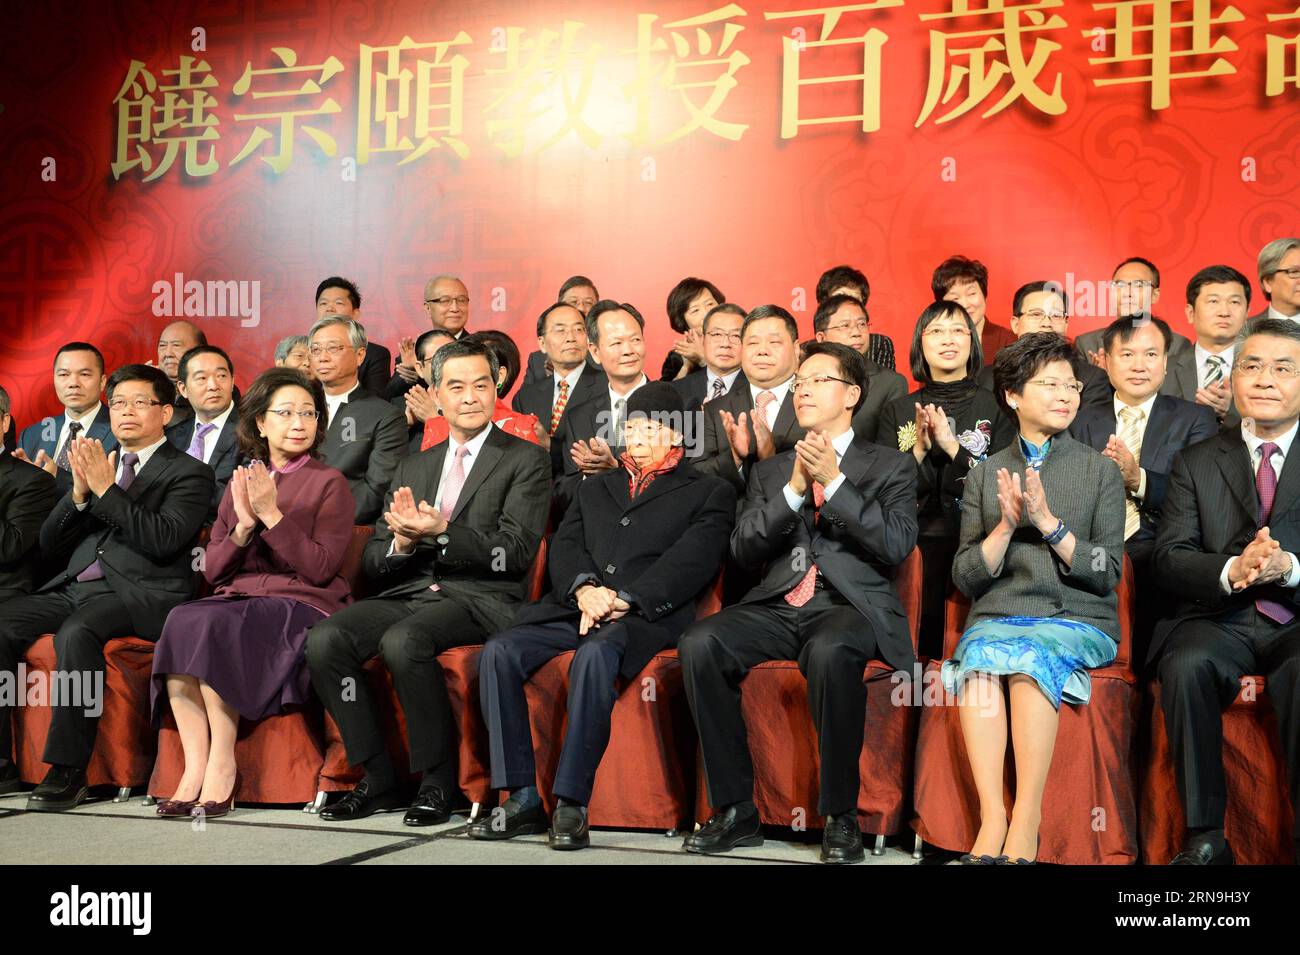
(1227, 548)
(1135, 285)
(78, 382)
(128, 528)
(579, 292)
(752, 423)
(207, 381)
(721, 372)
(27, 495)
(175, 340)
(830, 520)
(1043, 307)
(562, 335)
(446, 302)
(1141, 432)
(589, 438)
(633, 552)
(877, 349)
(340, 297)
(365, 436)
(449, 559)
(1218, 300)
(844, 320)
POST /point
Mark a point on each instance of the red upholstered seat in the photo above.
(1259, 824)
(1089, 802)
(783, 741)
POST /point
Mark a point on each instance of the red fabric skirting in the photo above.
(124, 747)
(1259, 822)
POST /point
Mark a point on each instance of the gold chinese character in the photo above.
(1276, 76)
(181, 118)
(524, 103)
(698, 60)
(289, 117)
(1161, 30)
(434, 117)
(985, 71)
(791, 82)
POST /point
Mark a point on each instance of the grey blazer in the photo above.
(1085, 490)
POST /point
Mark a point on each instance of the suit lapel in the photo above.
(159, 464)
(658, 487)
(1234, 464)
(785, 417)
(1153, 438)
(488, 456)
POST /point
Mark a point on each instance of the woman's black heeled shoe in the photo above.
(969, 859)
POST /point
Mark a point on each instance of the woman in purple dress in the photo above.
(274, 559)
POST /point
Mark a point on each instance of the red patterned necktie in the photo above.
(557, 411)
(1266, 485)
(802, 592)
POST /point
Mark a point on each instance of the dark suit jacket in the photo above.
(143, 537)
(43, 434)
(365, 440)
(225, 455)
(662, 549)
(1211, 513)
(1183, 381)
(581, 422)
(375, 368)
(27, 495)
(1097, 389)
(535, 398)
(1175, 424)
(694, 388)
(862, 533)
(712, 453)
(491, 539)
(883, 387)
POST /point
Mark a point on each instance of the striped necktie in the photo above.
(1214, 369)
(1131, 435)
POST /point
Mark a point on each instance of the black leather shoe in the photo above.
(360, 803)
(1205, 849)
(63, 788)
(431, 808)
(569, 828)
(842, 839)
(725, 831)
(9, 778)
(509, 820)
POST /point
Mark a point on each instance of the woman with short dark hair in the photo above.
(1040, 556)
(274, 558)
(688, 303)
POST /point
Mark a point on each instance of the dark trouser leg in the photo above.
(1280, 662)
(508, 660)
(337, 650)
(1149, 601)
(839, 644)
(716, 654)
(1200, 672)
(23, 621)
(593, 679)
(410, 648)
(936, 563)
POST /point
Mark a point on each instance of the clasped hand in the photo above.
(598, 605)
(410, 521)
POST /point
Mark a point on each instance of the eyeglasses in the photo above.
(317, 351)
(285, 413)
(723, 336)
(861, 324)
(939, 331)
(818, 380)
(1282, 370)
(1055, 386)
(1293, 273)
(446, 300)
(1037, 315)
(139, 404)
(1136, 284)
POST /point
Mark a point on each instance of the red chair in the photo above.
(460, 670)
(783, 743)
(1259, 823)
(646, 777)
(280, 757)
(1089, 802)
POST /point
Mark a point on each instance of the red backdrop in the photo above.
(1209, 178)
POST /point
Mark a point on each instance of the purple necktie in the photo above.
(1266, 485)
(94, 571)
(195, 450)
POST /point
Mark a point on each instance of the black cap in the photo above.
(658, 401)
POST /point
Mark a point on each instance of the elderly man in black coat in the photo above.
(635, 549)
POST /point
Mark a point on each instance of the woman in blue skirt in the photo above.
(1040, 555)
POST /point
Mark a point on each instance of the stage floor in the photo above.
(102, 831)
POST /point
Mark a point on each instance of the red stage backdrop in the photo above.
(257, 147)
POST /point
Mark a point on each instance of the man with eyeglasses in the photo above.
(1227, 549)
(575, 377)
(1218, 300)
(844, 319)
(365, 435)
(721, 371)
(846, 280)
(206, 379)
(1043, 307)
(826, 521)
(126, 530)
(446, 303)
(341, 298)
(1279, 277)
(1134, 292)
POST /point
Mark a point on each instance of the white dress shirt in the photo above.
(210, 439)
(332, 402)
(775, 407)
(143, 459)
(727, 381)
(1274, 313)
(1253, 444)
(1145, 408)
(841, 444)
(85, 420)
(614, 398)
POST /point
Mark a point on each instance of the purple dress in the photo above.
(246, 641)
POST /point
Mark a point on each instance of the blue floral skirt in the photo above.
(1057, 653)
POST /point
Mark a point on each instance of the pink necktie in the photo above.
(802, 592)
(1266, 485)
(455, 481)
(765, 398)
